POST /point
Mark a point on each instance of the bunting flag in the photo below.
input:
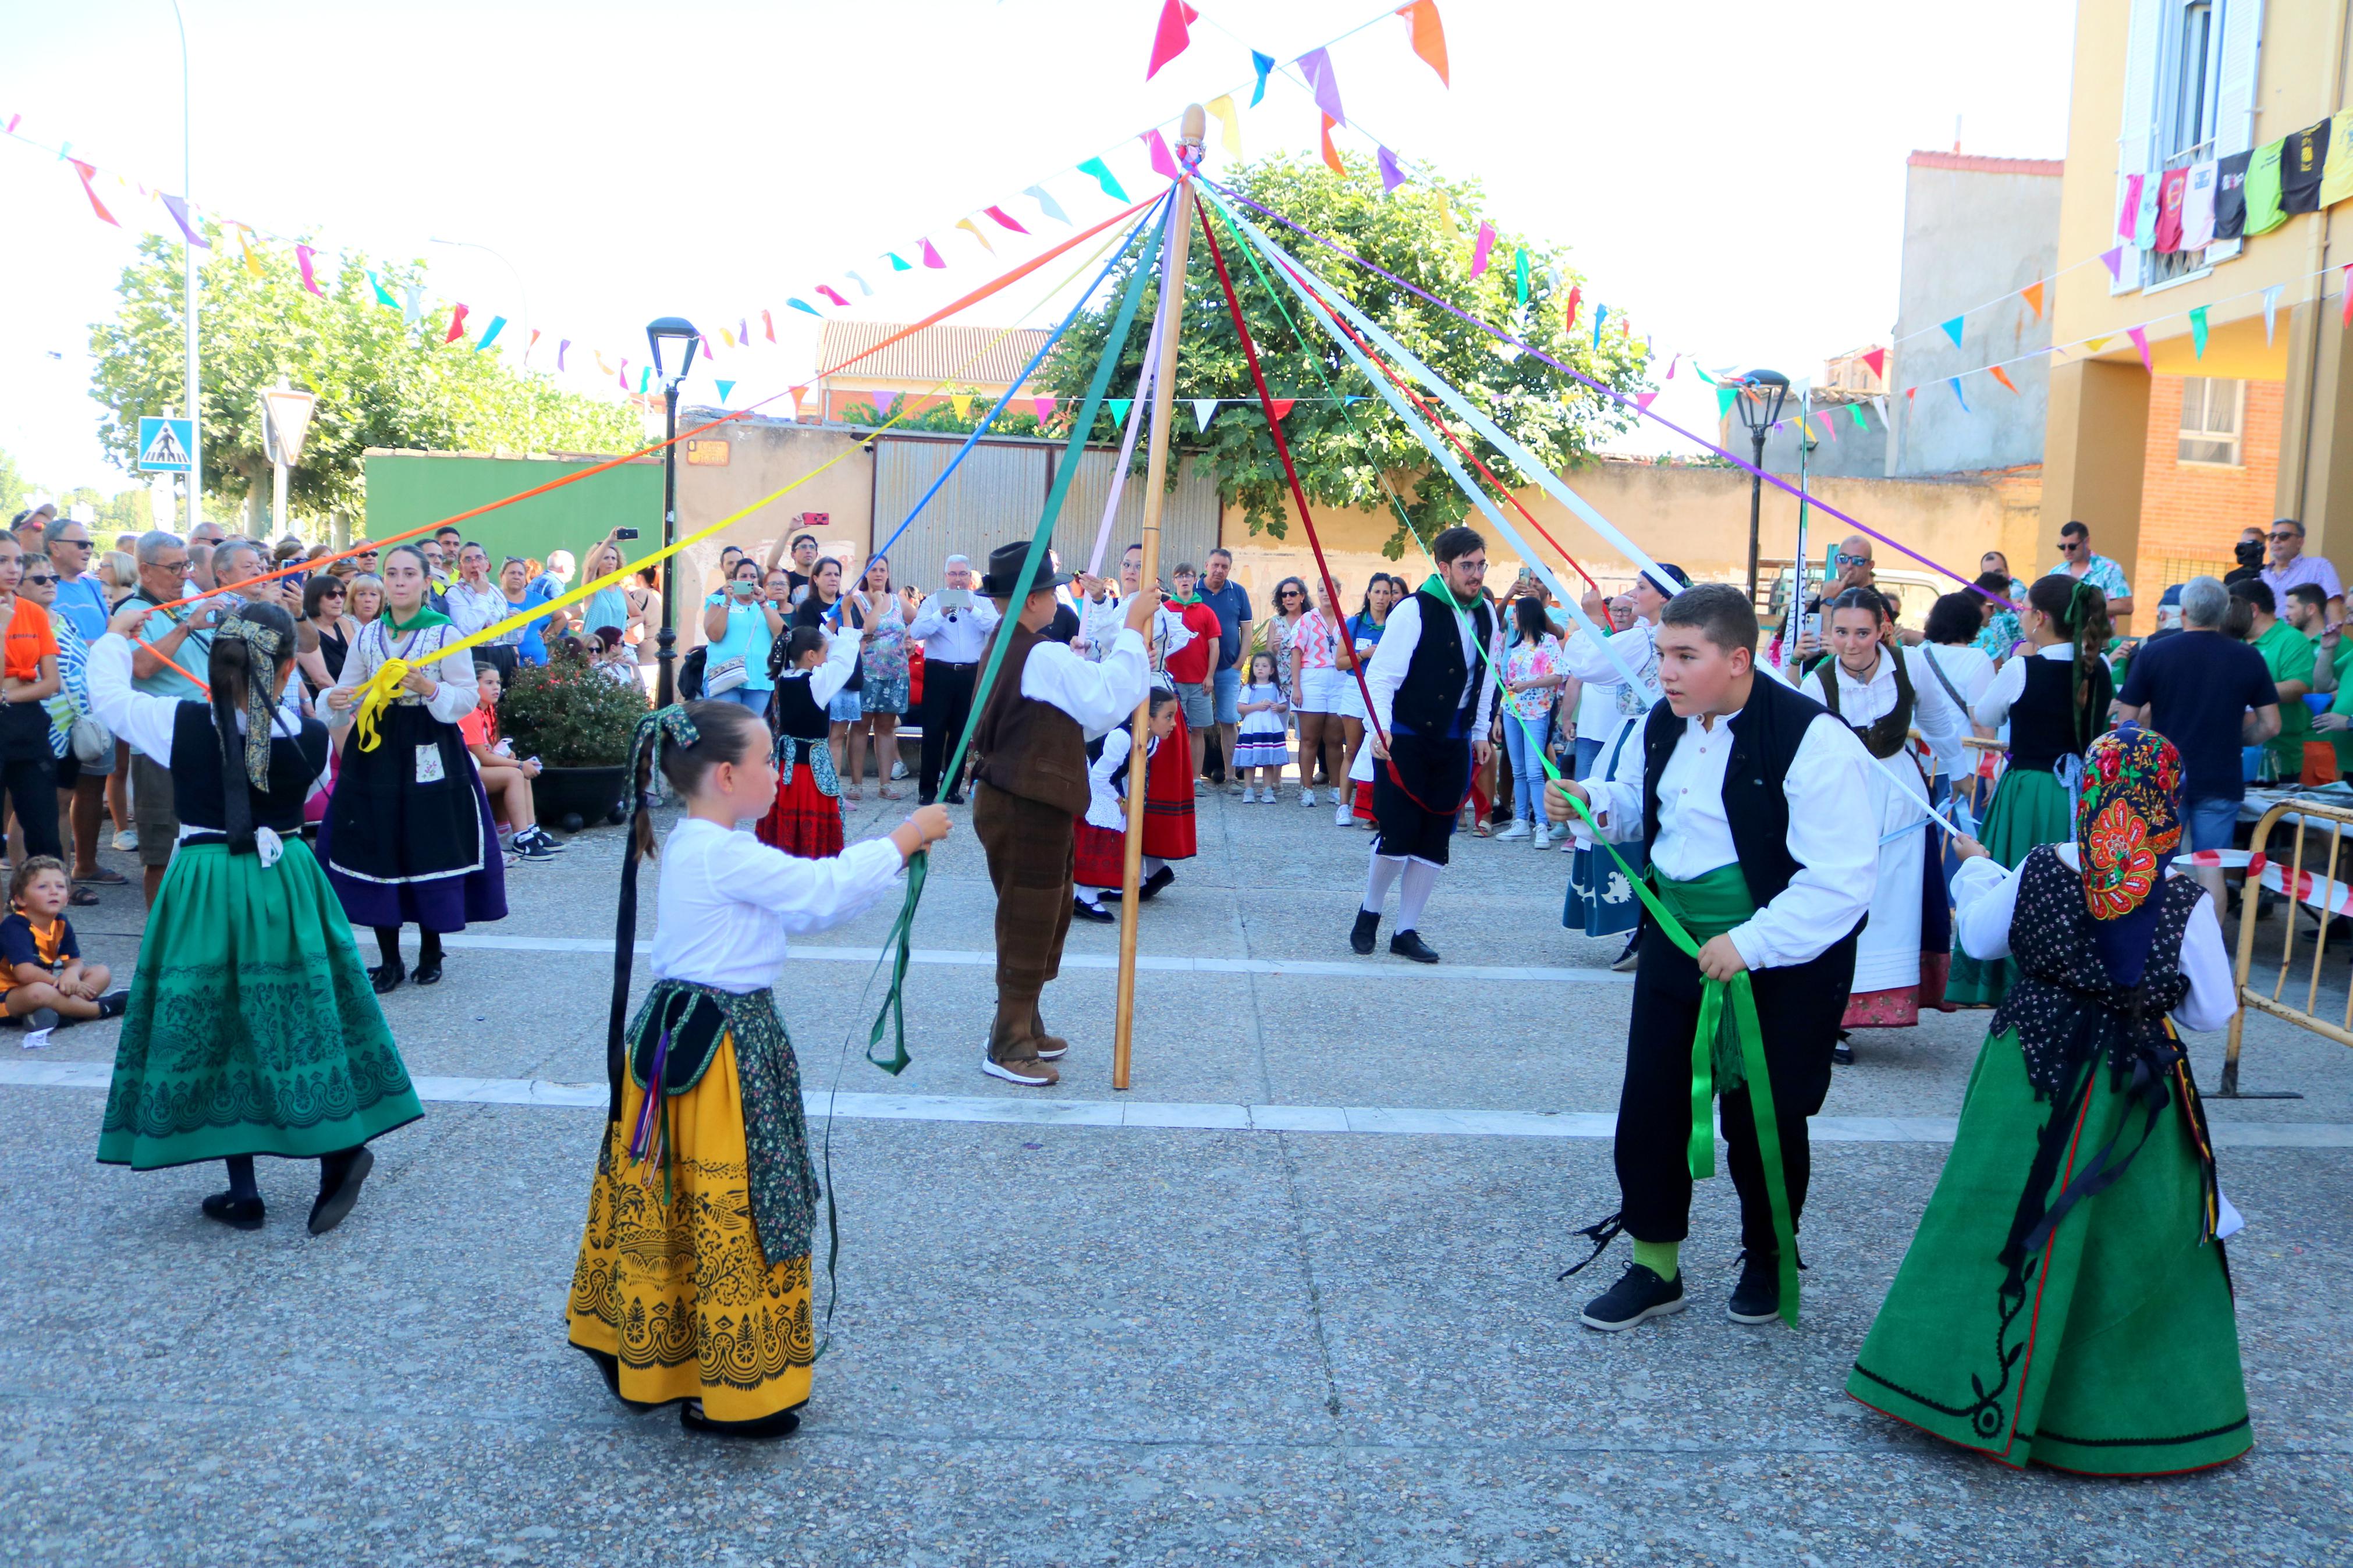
(973, 229)
(1954, 383)
(383, 294)
(1119, 408)
(1044, 407)
(1520, 275)
(725, 387)
(1568, 316)
(560, 350)
(1162, 163)
(863, 287)
(1428, 36)
(1261, 64)
(602, 368)
(1331, 153)
(898, 263)
(2003, 376)
(303, 255)
(531, 344)
(723, 332)
(253, 264)
(1046, 204)
(1100, 172)
(1230, 123)
(797, 303)
(457, 327)
(2271, 311)
(2139, 335)
(1953, 330)
(1877, 360)
(1671, 366)
(1912, 394)
(645, 378)
(1830, 425)
(1170, 38)
(1280, 406)
(2198, 332)
(1001, 215)
(178, 207)
(1644, 399)
(1859, 422)
(962, 402)
(883, 401)
(2113, 258)
(87, 175)
(2345, 286)
(1446, 216)
(769, 325)
(744, 326)
(1482, 249)
(491, 333)
(1391, 175)
(795, 393)
(1204, 410)
(1601, 314)
(1315, 65)
(1724, 400)
(931, 255)
(825, 289)
(2033, 295)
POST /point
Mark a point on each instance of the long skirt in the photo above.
(1101, 857)
(1887, 955)
(2030, 807)
(1601, 902)
(251, 1027)
(408, 836)
(805, 821)
(2115, 1351)
(1168, 828)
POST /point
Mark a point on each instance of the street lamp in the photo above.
(679, 330)
(195, 510)
(1762, 392)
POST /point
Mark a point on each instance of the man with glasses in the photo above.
(2076, 560)
(80, 599)
(1851, 567)
(1230, 602)
(2290, 568)
(171, 643)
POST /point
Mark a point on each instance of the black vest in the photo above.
(1431, 701)
(2042, 727)
(197, 774)
(797, 713)
(1764, 737)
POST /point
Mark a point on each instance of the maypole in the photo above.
(1156, 492)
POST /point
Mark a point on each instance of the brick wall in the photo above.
(2190, 514)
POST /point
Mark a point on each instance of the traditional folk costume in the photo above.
(1749, 824)
(807, 818)
(693, 1280)
(2066, 1300)
(1900, 961)
(1432, 681)
(251, 1027)
(2048, 732)
(1100, 865)
(1264, 739)
(1168, 826)
(1364, 634)
(408, 836)
(1601, 901)
(1030, 734)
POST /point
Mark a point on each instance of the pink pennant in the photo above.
(2139, 335)
(932, 256)
(829, 294)
(1001, 216)
(1043, 407)
(1671, 366)
(1162, 162)
(2344, 283)
(88, 173)
(457, 323)
(1482, 250)
(303, 254)
(1170, 38)
(1644, 399)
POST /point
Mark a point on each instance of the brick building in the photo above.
(2212, 469)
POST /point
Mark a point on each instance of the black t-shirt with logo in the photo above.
(2300, 168)
(2230, 196)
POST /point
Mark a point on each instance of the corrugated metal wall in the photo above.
(996, 496)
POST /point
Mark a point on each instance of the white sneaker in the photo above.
(1541, 838)
(1518, 829)
(127, 840)
(1307, 795)
(1249, 796)
(1341, 815)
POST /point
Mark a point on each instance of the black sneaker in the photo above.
(1757, 1298)
(111, 1004)
(546, 840)
(532, 848)
(1360, 940)
(1639, 1296)
(1631, 959)
(1409, 944)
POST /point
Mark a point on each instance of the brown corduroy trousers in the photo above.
(1030, 847)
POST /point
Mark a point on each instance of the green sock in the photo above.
(1659, 1257)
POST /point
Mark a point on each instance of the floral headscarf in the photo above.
(2127, 828)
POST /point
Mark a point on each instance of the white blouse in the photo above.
(1105, 806)
(453, 673)
(727, 903)
(1864, 702)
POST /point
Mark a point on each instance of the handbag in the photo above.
(725, 676)
(91, 742)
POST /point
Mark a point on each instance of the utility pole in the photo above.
(196, 508)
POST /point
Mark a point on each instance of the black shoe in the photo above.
(1369, 922)
(1631, 959)
(428, 969)
(238, 1214)
(41, 1020)
(1639, 1296)
(923, 800)
(387, 977)
(1082, 910)
(955, 800)
(1154, 882)
(336, 1201)
(1757, 1298)
(783, 1423)
(527, 847)
(548, 841)
(1409, 944)
(1842, 1052)
(112, 1004)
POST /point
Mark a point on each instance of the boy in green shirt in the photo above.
(2294, 659)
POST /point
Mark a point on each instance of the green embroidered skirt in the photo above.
(2030, 807)
(2116, 1352)
(251, 1027)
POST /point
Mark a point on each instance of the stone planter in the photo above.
(575, 798)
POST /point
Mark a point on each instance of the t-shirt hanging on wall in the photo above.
(2198, 208)
(2230, 196)
(2170, 191)
(2264, 211)
(2336, 173)
(2145, 221)
(2301, 167)
(2128, 207)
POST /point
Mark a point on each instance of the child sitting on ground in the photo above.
(41, 972)
(1264, 742)
(1100, 865)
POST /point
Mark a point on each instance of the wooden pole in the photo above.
(1164, 386)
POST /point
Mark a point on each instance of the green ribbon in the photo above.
(1750, 1036)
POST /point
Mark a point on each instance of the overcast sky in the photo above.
(1730, 174)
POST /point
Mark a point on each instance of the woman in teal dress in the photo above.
(2066, 1301)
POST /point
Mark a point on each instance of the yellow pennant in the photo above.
(962, 402)
(1230, 123)
(252, 262)
(974, 229)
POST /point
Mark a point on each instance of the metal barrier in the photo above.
(2331, 893)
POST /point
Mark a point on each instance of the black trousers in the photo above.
(1798, 1010)
(28, 774)
(947, 709)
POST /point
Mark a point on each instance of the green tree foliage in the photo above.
(15, 489)
(943, 416)
(1345, 454)
(380, 383)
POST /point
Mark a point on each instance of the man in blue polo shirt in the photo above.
(1231, 601)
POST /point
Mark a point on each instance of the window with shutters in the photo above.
(2212, 410)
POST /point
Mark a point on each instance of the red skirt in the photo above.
(1364, 799)
(805, 821)
(1169, 798)
(1101, 860)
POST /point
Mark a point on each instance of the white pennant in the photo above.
(2271, 311)
(1204, 408)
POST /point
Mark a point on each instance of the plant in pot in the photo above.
(577, 720)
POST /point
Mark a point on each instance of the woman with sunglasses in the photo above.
(1281, 633)
(28, 768)
(330, 629)
(79, 793)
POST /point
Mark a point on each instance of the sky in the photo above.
(1728, 175)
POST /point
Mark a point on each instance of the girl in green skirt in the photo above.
(2056, 699)
(251, 1027)
(2066, 1301)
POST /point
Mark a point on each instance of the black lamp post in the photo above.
(679, 330)
(1762, 392)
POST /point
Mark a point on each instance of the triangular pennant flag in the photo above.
(897, 263)
(932, 255)
(457, 327)
(883, 401)
(744, 327)
(2139, 335)
(1002, 217)
(1671, 366)
(2114, 259)
(562, 349)
(602, 368)
(2094, 345)
(973, 229)
(1482, 250)
(1964, 402)
(1170, 38)
(1428, 35)
(1569, 314)
(1230, 123)
(1877, 360)
(1204, 409)
(623, 376)
(962, 402)
(1331, 155)
(253, 265)
(769, 325)
(89, 174)
(1315, 65)
(1280, 406)
(1100, 172)
(1162, 163)
(823, 288)
(2033, 295)
(1119, 408)
(1046, 204)
(178, 207)
(303, 254)
(796, 392)
(1911, 394)
(645, 378)
(725, 387)
(1601, 314)
(797, 303)
(863, 287)
(2271, 311)
(703, 346)
(1044, 407)
(1859, 422)
(1446, 216)
(1642, 399)
(383, 294)
(2003, 376)
(1830, 425)
(491, 333)
(1391, 175)
(1520, 274)
(728, 336)
(1261, 64)
(2198, 332)
(1953, 330)
(1723, 399)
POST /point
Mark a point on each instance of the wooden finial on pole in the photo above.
(1195, 127)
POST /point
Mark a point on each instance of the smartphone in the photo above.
(1814, 626)
(625, 533)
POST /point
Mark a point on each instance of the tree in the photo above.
(1424, 232)
(943, 416)
(15, 489)
(380, 381)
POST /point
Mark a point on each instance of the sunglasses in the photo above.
(2069, 546)
(2284, 533)
(47, 577)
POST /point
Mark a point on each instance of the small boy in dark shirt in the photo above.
(41, 972)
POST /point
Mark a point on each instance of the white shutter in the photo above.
(2144, 44)
(2239, 58)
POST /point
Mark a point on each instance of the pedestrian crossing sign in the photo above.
(164, 444)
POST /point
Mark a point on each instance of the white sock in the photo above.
(1091, 897)
(1420, 878)
(1380, 880)
(1153, 865)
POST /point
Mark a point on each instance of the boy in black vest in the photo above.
(1433, 684)
(1030, 736)
(1754, 804)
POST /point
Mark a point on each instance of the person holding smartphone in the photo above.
(742, 626)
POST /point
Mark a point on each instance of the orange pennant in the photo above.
(767, 324)
(2003, 376)
(1331, 155)
(1428, 35)
(2033, 295)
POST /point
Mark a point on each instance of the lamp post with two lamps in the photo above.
(1762, 392)
(678, 330)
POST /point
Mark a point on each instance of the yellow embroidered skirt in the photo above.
(675, 1287)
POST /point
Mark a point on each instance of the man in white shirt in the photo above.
(954, 629)
(1030, 786)
(1746, 794)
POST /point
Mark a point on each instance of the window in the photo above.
(2210, 409)
(2191, 127)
